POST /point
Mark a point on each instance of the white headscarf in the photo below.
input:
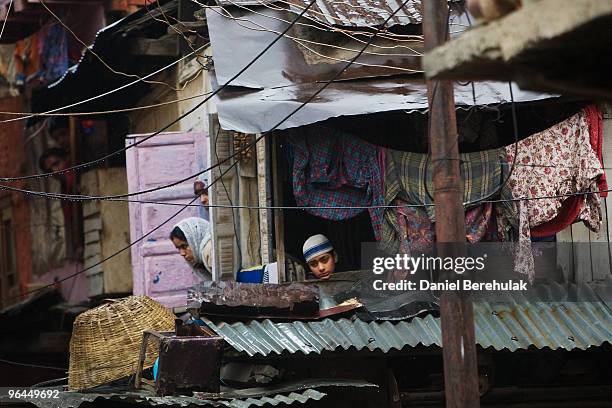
(204, 178)
(197, 232)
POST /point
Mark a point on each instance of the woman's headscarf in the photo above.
(201, 183)
(197, 232)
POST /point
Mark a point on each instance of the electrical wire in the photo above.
(176, 30)
(302, 42)
(362, 207)
(325, 27)
(102, 95)
(31, 365)
(95, 54)
(244, 148)
(323, 21)
(190, 111)
(111, 111)
(48, 382)
(131, 244)
(8, 11)
(319, 24)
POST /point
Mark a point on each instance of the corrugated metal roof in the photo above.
(512, 323)
(75, 399)
(348, 13)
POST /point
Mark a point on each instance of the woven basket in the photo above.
(105, 343)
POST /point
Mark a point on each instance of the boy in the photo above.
(320, 256)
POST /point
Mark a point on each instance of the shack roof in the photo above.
(349, 13)
(551, 316)
(387, 77)
(289, 394)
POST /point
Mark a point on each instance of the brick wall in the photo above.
(13, 163)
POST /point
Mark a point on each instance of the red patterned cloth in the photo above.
(555, 162)
(572, 206)
(595, 119)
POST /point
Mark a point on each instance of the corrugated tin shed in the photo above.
(510, 322)
(288, 394)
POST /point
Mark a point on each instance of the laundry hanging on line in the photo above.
(557, 163)
(333, 169)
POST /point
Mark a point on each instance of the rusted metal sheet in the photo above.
(239, 37)
(510, 321)
(146, 399)
(349, 13)
(284, 77)
(293, 386)
(240, 299)
(189, 364)
(186, 364)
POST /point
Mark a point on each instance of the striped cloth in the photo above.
(336, 170)
(406, 174)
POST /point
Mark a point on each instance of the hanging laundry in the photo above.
(555, 163)
(7, 71)
(405, 177)
(572, 206)
(416, 231)
(54, 53)
(336, 170)
(43, 55)
(27, 58)
(595, 119)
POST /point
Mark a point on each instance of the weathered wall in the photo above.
(12, 163)
(190, 83)
(589, 258)
(106, 229)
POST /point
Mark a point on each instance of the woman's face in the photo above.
(184, 249)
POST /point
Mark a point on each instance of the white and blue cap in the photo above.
(315, 246)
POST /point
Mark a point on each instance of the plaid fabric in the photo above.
(405, 176)
(336, 170)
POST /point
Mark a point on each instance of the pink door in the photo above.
(158, 270)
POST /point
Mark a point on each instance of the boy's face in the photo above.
(55, 163)
(323, 265)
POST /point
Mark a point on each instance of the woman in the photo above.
(192, 238)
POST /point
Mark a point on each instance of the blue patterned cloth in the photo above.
(54, 57)
(331, 169)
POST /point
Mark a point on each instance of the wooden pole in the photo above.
(458, 340)
(279, 219)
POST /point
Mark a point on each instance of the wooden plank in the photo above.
(92, 261)
(91, 250)
(565, 256)
(90, 208)
(116, 233)
(279, 220)
(91, 237)
(92, 224)
(264, 227)
(583, 265)
(96, 284)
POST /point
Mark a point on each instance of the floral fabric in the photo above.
(554, 163)
(417, 230)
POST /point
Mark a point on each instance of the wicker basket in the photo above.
(105, 343)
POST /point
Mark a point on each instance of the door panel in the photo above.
(158, 270)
